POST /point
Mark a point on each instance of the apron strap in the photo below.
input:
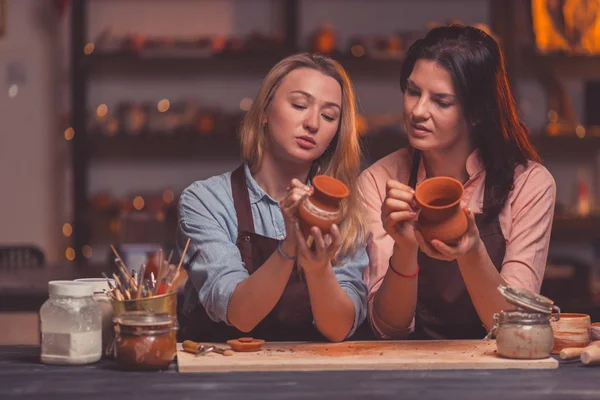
(241, 200)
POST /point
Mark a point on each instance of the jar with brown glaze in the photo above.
(143, 340)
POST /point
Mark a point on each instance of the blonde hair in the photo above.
(342, 158)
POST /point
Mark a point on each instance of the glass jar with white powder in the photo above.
(101, 286)
(70, 324)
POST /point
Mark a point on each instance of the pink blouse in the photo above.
(525, 220)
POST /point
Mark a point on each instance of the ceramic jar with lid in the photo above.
(70, 324)
(524, 333)
(144, 340)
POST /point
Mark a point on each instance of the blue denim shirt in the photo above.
(207, 216)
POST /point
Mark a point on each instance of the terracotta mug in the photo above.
(571, 330)
(322, 208)
(441, 216)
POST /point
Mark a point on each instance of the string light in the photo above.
(580, 131)
(67, 230)
(138, 203)
(357, 50)
(69, 133)
(87, 251)
(553, 116)
(163, 105)
(168, 196)
(70, 254)
(245, 104)
(102, 110)
(89, 48)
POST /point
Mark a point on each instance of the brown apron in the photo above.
(444, 308)
(290, 320)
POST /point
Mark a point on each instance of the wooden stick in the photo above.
(173, 286)
(110, 285)
(159, 258)
(187, 243)
(122, 265)
(591, 355)
(569, 353)
(121, 287)
(118, 295)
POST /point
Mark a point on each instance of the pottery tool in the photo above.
(200, 349)
(133, 286)
(123, 267)
(591, 355)
(570, 353)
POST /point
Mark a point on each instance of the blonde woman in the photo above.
(251, 273)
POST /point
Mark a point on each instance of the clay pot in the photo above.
(571, 330)
(441, 216)
(322, 208)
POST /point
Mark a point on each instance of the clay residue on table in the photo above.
(381, 348)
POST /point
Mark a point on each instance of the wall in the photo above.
(30, 148)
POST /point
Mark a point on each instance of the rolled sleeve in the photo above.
(350, 277)
(532, 212)
(216, 268)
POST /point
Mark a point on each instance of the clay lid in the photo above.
(527, 300)
(245, 344)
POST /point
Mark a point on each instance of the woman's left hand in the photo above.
(317, 260)
(468, 243)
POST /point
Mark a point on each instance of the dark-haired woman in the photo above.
(461, 122)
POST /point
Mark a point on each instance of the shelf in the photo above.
(120, 63)
(566, 146)
(564, 65)
(576, 229)
(165, 147)
(134, 63)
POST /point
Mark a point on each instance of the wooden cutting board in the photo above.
(372, 355)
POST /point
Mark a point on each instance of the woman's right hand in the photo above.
(297, 193)
(399, 213)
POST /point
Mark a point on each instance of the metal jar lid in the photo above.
(527, 300)
(144, 319)
(521, 318)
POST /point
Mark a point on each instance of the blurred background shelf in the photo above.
(576, 229)
(241, 63)
(127, 63)
(193, 146)
(566, 146)
(562, 64)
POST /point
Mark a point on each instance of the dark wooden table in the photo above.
(22, 376)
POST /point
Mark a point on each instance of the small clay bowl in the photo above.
(595, 331)
(245, 344)
(571, 330)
